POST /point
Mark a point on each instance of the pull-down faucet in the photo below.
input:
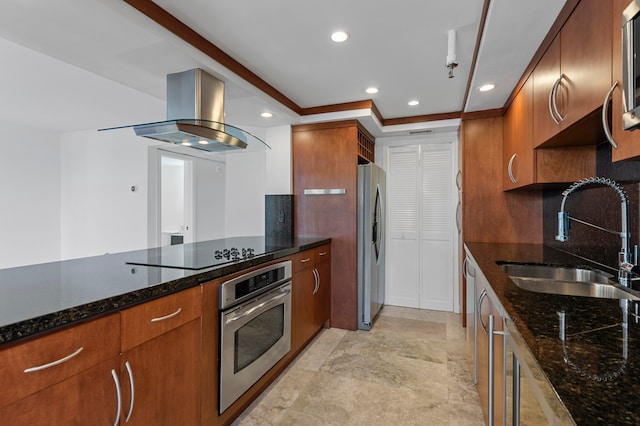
(625, 258)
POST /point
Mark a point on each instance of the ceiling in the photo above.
(69, 64)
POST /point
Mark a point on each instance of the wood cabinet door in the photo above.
(166, 379)
(322, 302)
(586, 59)
(518, 154)
(88, 398)
(325, 157)
(302, 313)
(545, 75)
(486, 308)
(628, 141)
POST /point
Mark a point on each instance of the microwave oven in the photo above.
(631, 66)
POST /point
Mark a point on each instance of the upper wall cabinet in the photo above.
(572, 78)
(628, 141)
(526, 166)
(517, 151)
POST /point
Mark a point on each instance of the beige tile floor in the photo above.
(410, 369)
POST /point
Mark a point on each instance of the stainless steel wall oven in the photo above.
(255, 328)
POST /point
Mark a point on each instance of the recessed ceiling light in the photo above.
(203, 142)
(339, 36)
(486, 87)
(266, 115)
(414, 103)
(372, 90)
(186, 143)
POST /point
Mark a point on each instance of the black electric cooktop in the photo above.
(206, 254)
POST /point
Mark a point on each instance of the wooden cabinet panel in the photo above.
(490, 214)
(518, 154)
(166, 377)
(92, 342)
(487, 308)
(555, 165)
(325, 156)
(144, 322)
(322, 307)
(311, 294)
(585, 59)
(628, 141)
(302, 315)
(210, 356)
(580, 56)
(87, 398)
(545, 76)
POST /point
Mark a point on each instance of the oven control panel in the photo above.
(246, 286)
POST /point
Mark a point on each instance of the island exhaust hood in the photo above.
(195, 116)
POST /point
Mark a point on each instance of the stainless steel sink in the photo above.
(565, 280)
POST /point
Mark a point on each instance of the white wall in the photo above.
(30, 193)
(244, 198)
(210, 206)
(100, 212)
(69, 195)
(279, 176)
(253, 174)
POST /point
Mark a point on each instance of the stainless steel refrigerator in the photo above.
(371, 241)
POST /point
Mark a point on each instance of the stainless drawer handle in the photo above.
(323, 253)
(54, 363)
(305, 260)
(166, 317)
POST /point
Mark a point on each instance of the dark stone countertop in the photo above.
(596, 374)
(43, 297)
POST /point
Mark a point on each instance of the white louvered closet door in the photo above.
(421, 244)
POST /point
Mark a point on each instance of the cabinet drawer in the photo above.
(323, 253)
(34, 365)
(302, 260)
(311, 257)
(144, 322)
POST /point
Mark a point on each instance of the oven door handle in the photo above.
(280, 295)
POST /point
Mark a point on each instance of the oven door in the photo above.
(253, 338)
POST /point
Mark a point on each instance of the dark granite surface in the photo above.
(596, 372)
(39, 298)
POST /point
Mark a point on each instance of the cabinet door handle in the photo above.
(464, 267)
(553, 104)
(316, 277)
(166, 317)
(491, 368)
(516, 391)
(483, 294)
(132, 386)
(114, 374)
(54, 363)
(605, 115)
(510, 169)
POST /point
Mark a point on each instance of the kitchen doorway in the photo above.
(176, 199)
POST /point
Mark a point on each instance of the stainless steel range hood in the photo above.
(195, 116)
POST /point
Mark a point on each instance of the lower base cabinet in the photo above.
(88, 398)
(165, 373)
(311, 295)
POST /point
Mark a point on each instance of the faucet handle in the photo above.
(630, 267)
(563, 227)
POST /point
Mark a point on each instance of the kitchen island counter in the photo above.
(591, 377)
(44, 297)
